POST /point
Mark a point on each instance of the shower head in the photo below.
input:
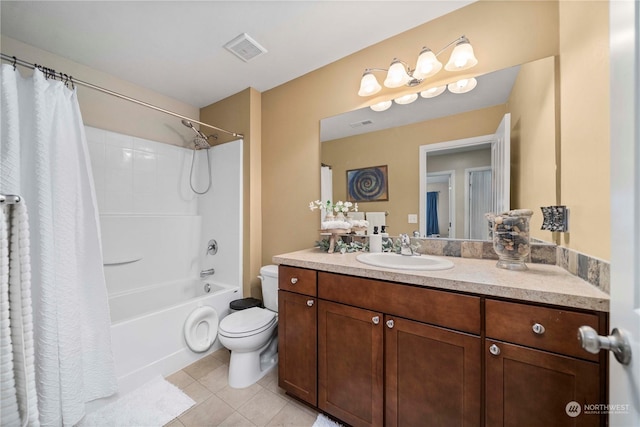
(190, 125)
(201, 140)
(201, 143)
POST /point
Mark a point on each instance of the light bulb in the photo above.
(427, 65)
(433, 92)
(462, 57)
(381, 106)
(406, 99)
(462, 86)
(396, 76)
(369, 85)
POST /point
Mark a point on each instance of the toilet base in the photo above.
(247, 368)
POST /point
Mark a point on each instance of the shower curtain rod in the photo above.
(49, 72)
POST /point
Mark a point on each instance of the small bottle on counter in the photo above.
(375, 241)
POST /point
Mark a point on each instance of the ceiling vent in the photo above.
(245, 48)
(361, 123)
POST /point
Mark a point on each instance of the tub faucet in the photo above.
(405, 245)
(207, 273)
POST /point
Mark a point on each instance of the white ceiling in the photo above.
(176, 47)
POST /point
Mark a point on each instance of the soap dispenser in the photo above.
(375, 241)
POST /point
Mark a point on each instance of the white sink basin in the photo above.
(404, 262)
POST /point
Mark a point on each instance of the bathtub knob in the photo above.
(294, 280)
(310, 303)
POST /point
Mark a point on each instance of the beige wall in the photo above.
(107, 112)
(292, 111)
(503, 34)
(398, 148)
(283, 158)
(241, 113)
(532, 105)
(585, 140)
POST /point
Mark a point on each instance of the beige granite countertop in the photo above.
(547, 284)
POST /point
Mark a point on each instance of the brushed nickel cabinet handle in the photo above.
(494, 349)
(294, 280)
(538, 328)
(390, 323)
(375, 320)
(310, 303)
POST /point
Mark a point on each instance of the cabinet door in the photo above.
(532, 387)
(350, 369)
(297, 340)
(433, 375)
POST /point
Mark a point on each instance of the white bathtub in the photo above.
(147, 327)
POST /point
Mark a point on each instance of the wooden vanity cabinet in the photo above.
(388, 354)
(534, 366)
(350, 369)
(377, 368)
(297, 333)
(433, 375)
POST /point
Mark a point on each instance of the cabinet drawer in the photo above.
(299, 280)
(447, 309)
(540, 327)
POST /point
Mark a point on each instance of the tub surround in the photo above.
(546, 284)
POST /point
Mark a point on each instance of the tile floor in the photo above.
(217, 404)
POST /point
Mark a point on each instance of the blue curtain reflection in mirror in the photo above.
(432, 213)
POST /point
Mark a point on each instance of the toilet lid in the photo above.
(247, 321)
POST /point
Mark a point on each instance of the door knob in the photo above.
(617, 342)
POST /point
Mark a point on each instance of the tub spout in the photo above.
(207, 273)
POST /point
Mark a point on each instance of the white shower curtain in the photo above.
(44, 158)
(19, 403)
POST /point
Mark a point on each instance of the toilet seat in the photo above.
(247, 322)
(207, 316)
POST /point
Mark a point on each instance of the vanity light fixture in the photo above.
(401, 74)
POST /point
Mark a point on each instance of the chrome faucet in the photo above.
(207, 273)
(405, 245)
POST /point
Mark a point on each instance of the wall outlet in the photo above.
(412, 219)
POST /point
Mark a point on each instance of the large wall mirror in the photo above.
(365, 138)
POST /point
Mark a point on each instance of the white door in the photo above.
(477, 202)
(625, 207)
(501, 163)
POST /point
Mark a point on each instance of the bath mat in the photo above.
(155, 403)
(324, 421)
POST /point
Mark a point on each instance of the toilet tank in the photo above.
(269, 277)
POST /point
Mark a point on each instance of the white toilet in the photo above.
(252, 335)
